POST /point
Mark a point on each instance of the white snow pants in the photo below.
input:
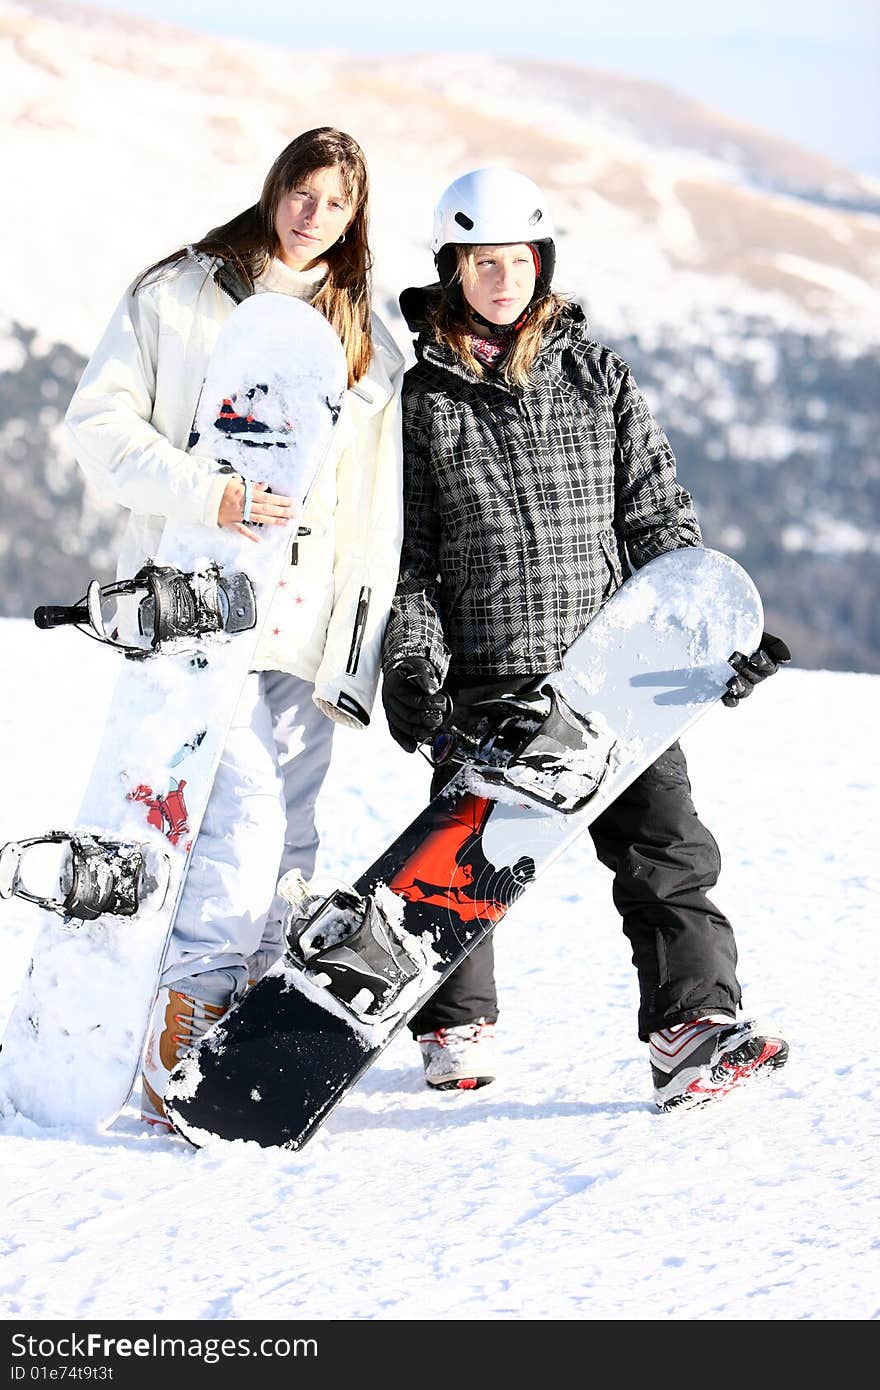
(259, 822)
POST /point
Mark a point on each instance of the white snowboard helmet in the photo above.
(491, 207)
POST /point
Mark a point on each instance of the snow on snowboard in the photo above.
(181, 635)
(539, 768)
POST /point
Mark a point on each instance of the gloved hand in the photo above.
(414, 703)
(751, 670)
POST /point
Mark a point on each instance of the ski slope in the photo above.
(557, 1193)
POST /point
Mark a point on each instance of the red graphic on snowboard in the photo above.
(167, 813)
(450, 869)
(247, 428)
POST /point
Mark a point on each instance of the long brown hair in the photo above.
(448, 321)
(249, 240)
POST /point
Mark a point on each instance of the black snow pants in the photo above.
(664, 860)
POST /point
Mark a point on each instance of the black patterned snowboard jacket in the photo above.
(524, 508)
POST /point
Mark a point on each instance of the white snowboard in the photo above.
(73, 1045)
(648, 666)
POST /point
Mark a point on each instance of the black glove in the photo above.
(751, 670)
(414, 704)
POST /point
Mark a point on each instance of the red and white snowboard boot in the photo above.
(460, 1058)
(178, 1021)
(706, 1059)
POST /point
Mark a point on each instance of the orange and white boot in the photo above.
(177, 1022)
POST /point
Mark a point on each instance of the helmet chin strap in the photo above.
(502, 328)
(487, 323)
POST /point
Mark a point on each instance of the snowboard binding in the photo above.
(98, 876)
(534, 742)
(348, 945)
(171, 605)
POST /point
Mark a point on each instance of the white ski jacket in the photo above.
(130, 419)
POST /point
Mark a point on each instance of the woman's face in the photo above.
(312, 217)
(503, 282)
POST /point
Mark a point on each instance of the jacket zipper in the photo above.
(294, 549)
(360, 627)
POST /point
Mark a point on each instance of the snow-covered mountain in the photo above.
(735, 271)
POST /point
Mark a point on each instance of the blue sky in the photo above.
(804, 69)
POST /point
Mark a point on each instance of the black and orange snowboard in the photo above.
(536, 769)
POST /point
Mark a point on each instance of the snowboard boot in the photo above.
(460, 1058)
(177, 1022)
(705, 1059)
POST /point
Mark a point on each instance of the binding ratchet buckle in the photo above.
(348, 945)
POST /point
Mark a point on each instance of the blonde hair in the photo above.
(448, 321)
(249, 240)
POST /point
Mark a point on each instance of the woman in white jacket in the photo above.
(318, 660)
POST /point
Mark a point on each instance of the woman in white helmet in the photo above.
(535, 479)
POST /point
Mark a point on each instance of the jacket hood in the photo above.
(417, 301)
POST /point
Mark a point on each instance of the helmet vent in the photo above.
(464, 221)
(535, 217)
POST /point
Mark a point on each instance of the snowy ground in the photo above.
(557, 1193)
